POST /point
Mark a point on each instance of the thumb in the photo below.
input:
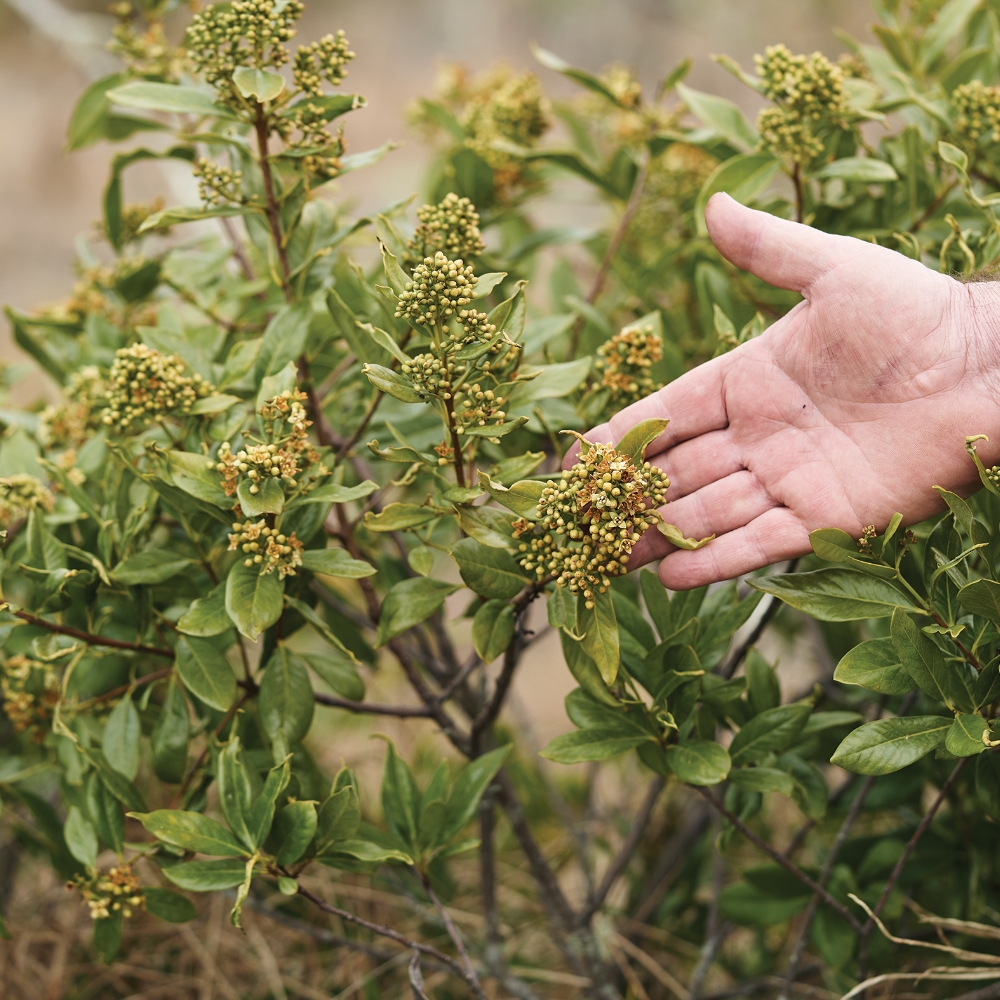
(782, 253)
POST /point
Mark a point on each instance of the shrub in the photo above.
(282, 445)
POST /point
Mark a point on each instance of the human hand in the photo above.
(849, 408)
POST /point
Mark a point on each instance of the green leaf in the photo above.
(635, 441)
(591, 744)
(264, 497)
(408, 603)
(207, 876)
(742, 177)
(394, 274)
(273, 385)
(121, 738)
(339, 672)
(320, 625)
(561, 608)
(875, 666)
(488, 571)
(862, 170)
(152, 566)
(722, 116)
(330, 105)
(335, 493)
(982, 597)
(748, 905)
(676, 537)
(585, 671)
(400, 517)
(820, 722)
(393, 383)
(551, 61)
(493, 629)
(833, 545)
(108, 937)
(770, 732)
(86, 125)
(953, 156)
(168, 905)
(206, 673)
(339, 819)
(763, 779)
(284, 339)
(207, 615)
(190, 830)
(549, 382)
(262, 812)
(253, 599)
(192, 474)
(365, 851)
(925, 663)
(467, 789)
(599, 628)
(169, 740)
(400, 795)
(522, 498)
(810, 792)
(235, 792)
(264, 84)
(421, 560)
(80, 837)
(965, 736)
(836, 595)
(105, 812)
(117, 784)
(888, 745)
(167, 97)
(286, 701)
(699, 762)
(296, 826)
(180, 214)
(336, 562)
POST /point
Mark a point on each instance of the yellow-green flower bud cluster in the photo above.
(68, 425)
(515, 110)
(105, 895)
(30, 691)
(218, 185)
(476, 407)
(146, 385)
(589, 520)
(310, 120)
(21, 493)
(224, 37)
(145, 52)
(430, 374)
(440, 292)
(977, 111)
(135, 214)
(808, 93)
(326, 59)
(266, 547)
(624, 362)
(451, 226)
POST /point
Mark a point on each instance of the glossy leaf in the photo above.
(591, 744)
(121, 738)
(253, 599)
(408, 603)
(168, 905)
(875, 665)
(493, 629)
(888, 745)
(836, 595)
(286, 701)
(489, 572)
(206, 673)
(190, 830)
(336, 562)
(296, 825)
(699, 762)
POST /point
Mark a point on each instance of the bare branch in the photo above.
(627, 849)
(372, 708)
(90, 639)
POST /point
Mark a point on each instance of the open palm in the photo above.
(851, 407)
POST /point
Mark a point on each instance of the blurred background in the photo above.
(49, 49)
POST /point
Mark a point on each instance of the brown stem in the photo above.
(456, 939)
(774, 855)
(227, 718)
(715, 933)
(628, 849)
(456, 445)
(631, 207)
(967, 653)
(238, 252)
(156, 675)
(911, 844)
(273, 215)
(799, 193)
(93, 640)
(382, 931)
(360, 429)
(824, 875)
(933, 206)
(373, 708)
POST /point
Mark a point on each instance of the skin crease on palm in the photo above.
(851, 407)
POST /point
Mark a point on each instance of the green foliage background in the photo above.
(321, 450)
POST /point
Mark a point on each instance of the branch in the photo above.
(838, 842)
(90, 639)
(383, 931)
(273, 215)
(156, 675)
(782, 860)
(638, 187)
(226, 719)
(449, 925)
(628, 848)
(360, 429)
(716, 932)
(373, 708)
